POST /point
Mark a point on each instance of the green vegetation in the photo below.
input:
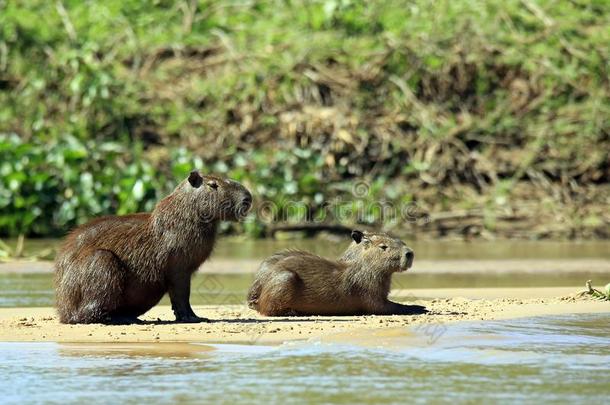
(493, 117)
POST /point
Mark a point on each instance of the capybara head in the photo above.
(215, 198)
(379, 252)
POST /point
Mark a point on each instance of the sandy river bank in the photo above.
(238, 324)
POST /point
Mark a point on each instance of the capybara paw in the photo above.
(190, 319)
(416, 310)
(123, 320)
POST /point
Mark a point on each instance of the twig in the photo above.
(538, 13)
(20, 244)
(3, 56)
(593, 292)
(65, 19)
(311, 228)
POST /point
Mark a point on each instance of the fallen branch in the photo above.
(310, 228)
(595, 293)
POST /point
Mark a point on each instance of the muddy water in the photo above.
(35, 289)
(562, 359)
(238, 248)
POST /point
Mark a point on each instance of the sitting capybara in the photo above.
(115, 268)
(294, 282)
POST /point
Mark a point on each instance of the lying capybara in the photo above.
(295, 282)
(115, 268)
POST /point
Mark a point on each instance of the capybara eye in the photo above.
(213, 184)
(383, 247)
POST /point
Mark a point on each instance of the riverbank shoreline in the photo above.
(239, 324)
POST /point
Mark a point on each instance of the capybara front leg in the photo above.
(179, 295)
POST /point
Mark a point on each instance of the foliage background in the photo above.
(493, 117)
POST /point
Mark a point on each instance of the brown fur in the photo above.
(115, 268)
(295, 282)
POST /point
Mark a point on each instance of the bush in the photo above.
(497, 110)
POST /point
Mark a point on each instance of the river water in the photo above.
(561, 359)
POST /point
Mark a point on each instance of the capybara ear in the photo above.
(357, 236)
(195, 179)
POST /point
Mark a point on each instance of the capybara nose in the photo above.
(410, 256)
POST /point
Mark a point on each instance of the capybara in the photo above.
(115, 268)
(295, 282)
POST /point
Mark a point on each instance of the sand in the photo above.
(238, 324)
